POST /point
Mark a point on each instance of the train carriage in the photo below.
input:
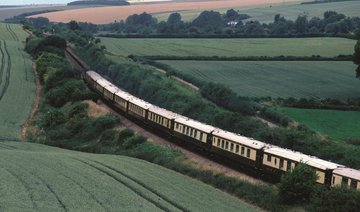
(138, 108)
(242, 149)
(346, 177)
(109, 91)
(278, 160)
(193, 131)
(91, 77)
(121, 100)
(161, 118)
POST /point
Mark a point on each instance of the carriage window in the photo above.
(281, 163)
(242, 150)
(218, 141)
(195, 134)
(353, 184)
(269, 158)
(177, 126)
(187, 130)
(201, 136)
(222, 143)
(237, 149)
(183, 130)
(231, 147)
(226, 145)
(288, 165)
(248, 153)
(275, 161)
(344, 181)
(191, 132)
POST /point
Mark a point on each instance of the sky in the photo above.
(22, 2)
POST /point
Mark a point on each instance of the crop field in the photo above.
(102, 15)
(12, 32)
(17, 84)
(41, 178)
(265, 13)
(298, 79)
(336, 124)
(327, 47)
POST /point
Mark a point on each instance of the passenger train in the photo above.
(262, 157)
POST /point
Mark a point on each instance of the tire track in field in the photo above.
(12, 33)
(63, 206)
(176, 205)
(78, 184)
(136, 191)
(2, 62)
(7, 146)
(26, 186)
(8, 71)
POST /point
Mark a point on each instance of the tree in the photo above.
(73, 25)
(301, 24)
(356, 58)
(298, 186)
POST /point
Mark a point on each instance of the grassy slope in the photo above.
(41, 178)
(277, 78)
(17, 82)
(327, 47)
(265, 13)
(336, 124)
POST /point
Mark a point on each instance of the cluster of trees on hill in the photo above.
(231, 23)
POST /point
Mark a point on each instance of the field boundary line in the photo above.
(12, 33)
(2, 62)
(136, 191)
(35, 106)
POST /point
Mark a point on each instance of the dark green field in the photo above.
(326, 47)
(336, 124)
(296, 79)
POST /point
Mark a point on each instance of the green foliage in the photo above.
(133, 141)
(53, 118)
(68, 90)
(52, 44)
(47, 60)
(335, 199)
(298, 185)
(125, 134)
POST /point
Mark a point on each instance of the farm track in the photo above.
(105, 170)
(8, 72)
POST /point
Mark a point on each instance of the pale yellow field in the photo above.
(101, 15)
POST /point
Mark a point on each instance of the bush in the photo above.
(335, 199)
(298, 186)
(124, 134)
(133, 141)
(52, 118)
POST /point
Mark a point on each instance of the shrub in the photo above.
(52, 118)
(124, 134)
(133, 141)
(298, 186)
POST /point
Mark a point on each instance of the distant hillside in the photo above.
(325, 1)
(99, 2)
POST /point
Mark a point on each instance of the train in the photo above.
(257, 155)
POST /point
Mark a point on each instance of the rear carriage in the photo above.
(239, 148)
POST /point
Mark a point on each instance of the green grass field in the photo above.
(327, 47)
(297, 79)
(265, 13)
(17, 83)
(42, 178)
(336, 124)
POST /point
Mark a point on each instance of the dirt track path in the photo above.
(197, 160)
(35, 105)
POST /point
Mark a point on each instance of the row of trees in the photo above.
(232, 22)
